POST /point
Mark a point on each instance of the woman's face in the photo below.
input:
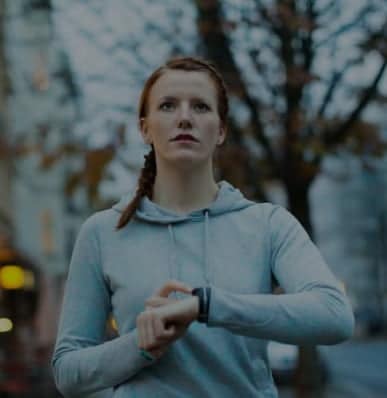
(182, 102)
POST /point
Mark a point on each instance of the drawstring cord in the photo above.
(174, 268)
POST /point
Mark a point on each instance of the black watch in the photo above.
(204, 295)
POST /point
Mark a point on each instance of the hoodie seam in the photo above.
(269, 242)
(99, 263)
(97, 240)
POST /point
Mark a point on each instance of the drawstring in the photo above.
(206, 255)
(174, 268)
(172, 257)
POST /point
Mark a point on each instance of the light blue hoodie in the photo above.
(232, 245)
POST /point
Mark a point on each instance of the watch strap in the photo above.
(204, 295)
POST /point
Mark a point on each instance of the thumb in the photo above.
(170, 330)
(173, 285)
(158, 301)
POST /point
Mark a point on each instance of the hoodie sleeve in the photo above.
(314, 309)
(83, 362)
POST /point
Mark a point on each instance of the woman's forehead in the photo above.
(176, 83)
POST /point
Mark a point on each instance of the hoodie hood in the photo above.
(228, 199)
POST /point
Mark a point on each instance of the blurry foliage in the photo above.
(292, 132)
(292, 137)
(96, 161)
(89, 175)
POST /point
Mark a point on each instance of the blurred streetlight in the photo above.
(11, 277)
(6, 325)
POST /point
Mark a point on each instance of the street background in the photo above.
(308, 130)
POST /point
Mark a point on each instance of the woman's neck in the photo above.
(183, 196)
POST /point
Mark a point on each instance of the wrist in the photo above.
(194, 306)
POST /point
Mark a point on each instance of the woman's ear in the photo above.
(141, 124)
(222, 135)
(143, 130)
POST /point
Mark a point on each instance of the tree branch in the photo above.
(336, 78)
(218, 48)
(333, 137)
(327, 8)
(345, 28)
(307, 42)
(271, 88)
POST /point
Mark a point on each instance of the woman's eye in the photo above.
(202, 107)
(166, 106)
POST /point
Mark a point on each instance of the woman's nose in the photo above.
(185, 124)
(185, 117)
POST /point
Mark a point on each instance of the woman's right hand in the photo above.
(149, 324)
(161, 349)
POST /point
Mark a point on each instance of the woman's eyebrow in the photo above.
(167, 98)
(172, 98)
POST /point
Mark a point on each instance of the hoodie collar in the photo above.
(228, 199)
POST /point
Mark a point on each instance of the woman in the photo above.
(185, 264)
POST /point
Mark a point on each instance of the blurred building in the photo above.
(35, 109)
(349, 209)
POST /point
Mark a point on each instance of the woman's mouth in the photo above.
(185, 138)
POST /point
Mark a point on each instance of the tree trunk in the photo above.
(310, 374)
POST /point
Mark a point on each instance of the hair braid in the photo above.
(145, 187)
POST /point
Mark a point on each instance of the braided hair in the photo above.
(148, 172)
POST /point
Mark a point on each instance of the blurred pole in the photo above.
(381, 264)
(309, 375)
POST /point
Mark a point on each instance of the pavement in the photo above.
(335, 391)
(357, 369)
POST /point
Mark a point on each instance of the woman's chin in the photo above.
(187, 159)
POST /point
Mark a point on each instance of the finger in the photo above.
(173, 285)
(159, 328)
(162, 334)
(150, 336)
(169, 331)
(140, 332)
(158, 301)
